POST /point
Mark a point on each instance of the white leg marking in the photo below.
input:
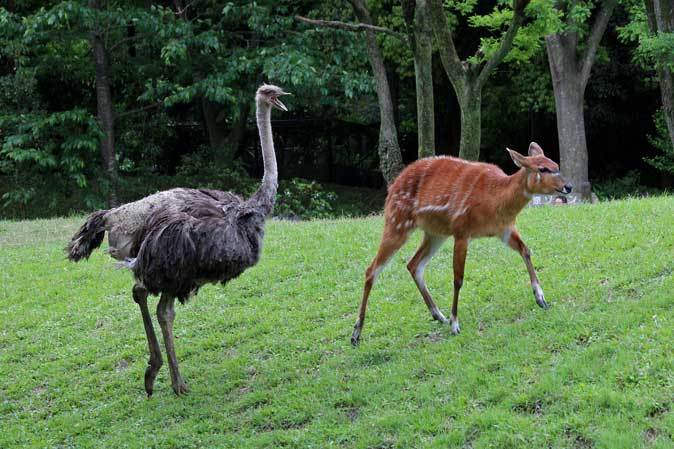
(538, 294)
(455, 325)
(538, 291)
(378, 270)
(505, 237)
(436, 243)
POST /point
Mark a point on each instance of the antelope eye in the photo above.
(544, 170)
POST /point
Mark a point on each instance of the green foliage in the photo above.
(269, 363)
(164, 63)
(654, 50)
(625, 186)
(57, 147)
(535, 87)
(299, 198)
(542, 20)
(198, 169)
(661, 141)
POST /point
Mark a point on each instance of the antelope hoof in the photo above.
(355, 337)
(540, 298)
(180, 388)
(456, 330)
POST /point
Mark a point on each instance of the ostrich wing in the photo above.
(202, 203)
(207, 241)
(126, 224)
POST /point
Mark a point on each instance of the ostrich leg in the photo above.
(155, 362)
(165, 315)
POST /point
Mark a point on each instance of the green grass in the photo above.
(269, 362)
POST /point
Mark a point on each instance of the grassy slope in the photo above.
(269, 362)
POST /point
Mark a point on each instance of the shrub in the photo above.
(299, 198)
(628, 185)
(661, 141)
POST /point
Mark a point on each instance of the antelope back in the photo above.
(436, 194)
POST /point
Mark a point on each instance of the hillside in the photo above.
(269, 362)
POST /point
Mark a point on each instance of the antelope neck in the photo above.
(520, 194)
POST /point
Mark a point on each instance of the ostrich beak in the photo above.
(276, 102)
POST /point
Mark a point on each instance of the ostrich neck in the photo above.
(267, 191)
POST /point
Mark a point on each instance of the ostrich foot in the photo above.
(180, 388)
(150, 375)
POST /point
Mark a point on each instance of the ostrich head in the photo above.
(268, 93)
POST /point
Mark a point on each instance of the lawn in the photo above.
(269, 362)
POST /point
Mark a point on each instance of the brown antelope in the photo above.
(446, 196)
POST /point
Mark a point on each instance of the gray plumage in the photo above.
(177, 240)
(209, 240)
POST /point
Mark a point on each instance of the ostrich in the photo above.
(177, 240)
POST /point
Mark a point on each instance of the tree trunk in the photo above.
(215, 128)
(211, 110)
(390, 169)
(106, 116)
(394, 87)
(471, 124)
(667, 92)
(421, 43)
(468, 78)
(390, 159)
(570, 73)
(237, 133)
(569, 94)
(660, 21)
(573, 155)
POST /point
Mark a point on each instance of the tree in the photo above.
(661, 26)
(106, 115)
(43, 139)
(390, 158)
(469, 77)
(420, 35)
(651, 25)
(571, 61)
(660, 46)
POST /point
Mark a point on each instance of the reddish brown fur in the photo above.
(446, 196)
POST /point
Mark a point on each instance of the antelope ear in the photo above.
(535, 149)
(517, 158)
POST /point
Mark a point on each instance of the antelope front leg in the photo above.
(513, 239)
(459, 263)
